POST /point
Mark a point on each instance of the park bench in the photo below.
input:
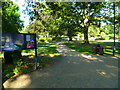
(98, 49)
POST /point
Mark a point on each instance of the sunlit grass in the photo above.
(87, 49)
(79, 47)
(47, 55)
(46, 52)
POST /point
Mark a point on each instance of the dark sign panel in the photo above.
(18, 41)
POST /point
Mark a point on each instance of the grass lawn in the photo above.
(87, 49)
(47, 55)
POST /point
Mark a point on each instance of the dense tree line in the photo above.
(69, 18)
(11, 23)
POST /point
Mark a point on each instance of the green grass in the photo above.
(47, 48)
(87, 49)
(47, 55)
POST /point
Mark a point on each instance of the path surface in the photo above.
(74, 70)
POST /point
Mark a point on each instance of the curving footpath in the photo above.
(73, 70)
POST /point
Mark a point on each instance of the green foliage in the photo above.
(47, 48)
(10, 17)
(16, 70)
(30, 65)
(24, 70)
(45, 39)
(11, 22)
(21, 67)
(93, 31)
(68, 18)
(18, 63)
(42, 39)
(107, 29)
(9, 74)
(48, 39)
(104, 36)
(87, 49)
(57, 39)
(27, 51)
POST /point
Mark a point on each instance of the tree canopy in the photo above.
(11, 22)
(69, 18)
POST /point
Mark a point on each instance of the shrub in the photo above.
(24, 70)
(16, 70)
(42, 39)
(99, 39)
(18, 62)
(48, 39)
(107, 38)
(9, 74)
(58, 38)
(104, 36)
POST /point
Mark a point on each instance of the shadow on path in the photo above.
(73, 70)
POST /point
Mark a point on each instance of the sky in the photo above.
(23, 16)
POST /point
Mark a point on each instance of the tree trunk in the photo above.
(56, 35)
(69, 34)
(86, 41)
(70, 38)
(9, 56)
(17, 53)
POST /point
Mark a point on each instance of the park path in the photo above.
(73, 70)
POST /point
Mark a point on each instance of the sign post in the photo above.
(19, 41)
(36, 57)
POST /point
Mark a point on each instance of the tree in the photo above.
(64, 11)
(10, 18)
(88, 13)
(69, 17)
(10, 24)
(93, 31)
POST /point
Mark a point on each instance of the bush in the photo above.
(24, 70)
(103, 36)
(107, 38)
(18, 62)
(9, 74)
(48, 39)
(45, 39)
(57, 39)
(16, 70)
(99, 39)
(42, 39)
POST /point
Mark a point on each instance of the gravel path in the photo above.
(74, 70)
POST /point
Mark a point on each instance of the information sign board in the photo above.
(18, 41)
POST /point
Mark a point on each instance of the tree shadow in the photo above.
(88, 49)
(86, 70)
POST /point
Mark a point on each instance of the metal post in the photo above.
(114, 48)
(36, 57)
